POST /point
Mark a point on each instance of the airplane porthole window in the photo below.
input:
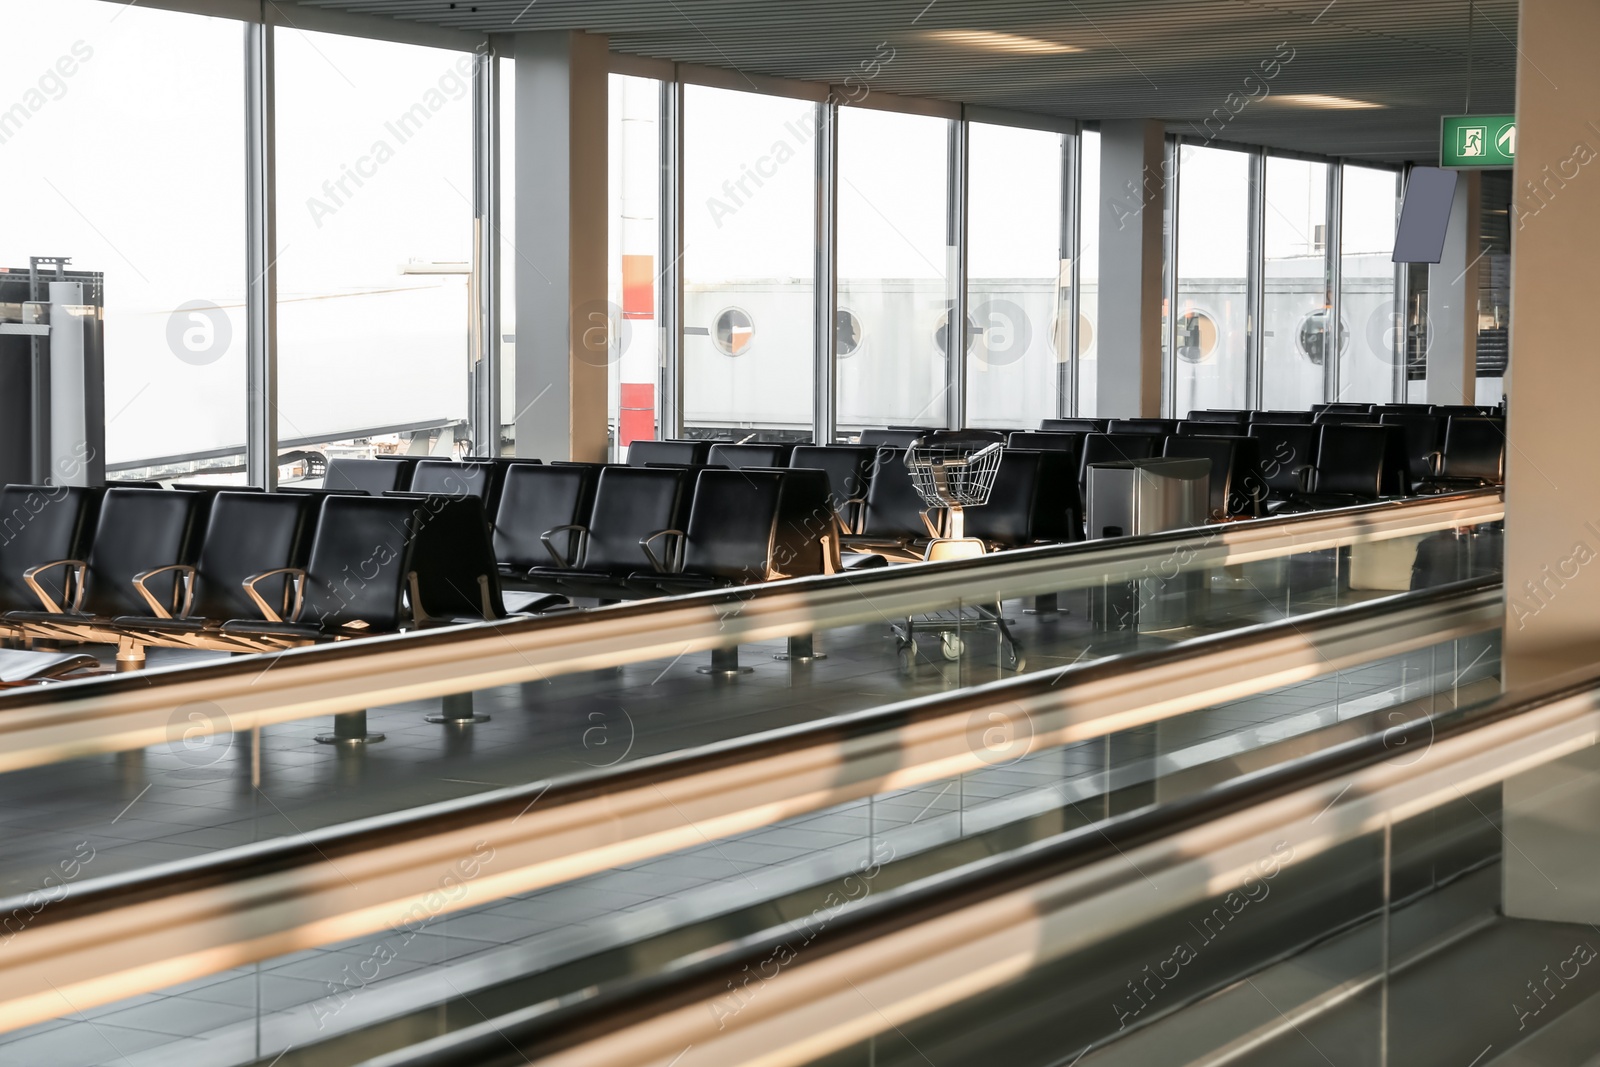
(1197, 336)
(732, 331)
(1311, 338)
(848, 333)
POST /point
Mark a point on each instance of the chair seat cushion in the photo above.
(165, 626)
(258, 628)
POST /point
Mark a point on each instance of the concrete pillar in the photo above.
(1132, 196)
(1453, 300)
(1552, 815)
(563, 321)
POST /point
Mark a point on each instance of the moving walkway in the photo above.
(337, 859)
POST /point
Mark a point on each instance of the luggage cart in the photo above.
(954, 470)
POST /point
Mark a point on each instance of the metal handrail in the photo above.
(119, 936)
(95, 716)
(909, 952)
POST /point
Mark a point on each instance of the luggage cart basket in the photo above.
(953, 471)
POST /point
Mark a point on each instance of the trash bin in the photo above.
(1133, 497)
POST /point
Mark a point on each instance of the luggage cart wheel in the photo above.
(951, 645)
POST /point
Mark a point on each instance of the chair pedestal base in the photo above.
(1044, 604)
(724, 663)
(349, 731)
(130, 656)
(458, 711)
(802, 649)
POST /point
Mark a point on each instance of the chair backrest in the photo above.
(372, 476)
(443, 477)
(724, 454)
(894, 507)
(1351, 460)
(1284, 449)
(360, 559)
(1041, 441)
(1404, 409)
(1345, 407)
(732, 524)
(1035, 498)
(1281, 418)
(1073, 425)
(1345, 418)
(1424, 434)
(139, 530)
(849, 468)
(1114, 448)
(806, 514)
(630, 504)
(896, 438)
(41, 524)
(1160, 427)
(1470, 411)
(249, 534)
(1233, 462)
(453, 559)
(681, 453)
(1475, 448)
(1238, 416)
(538, 498)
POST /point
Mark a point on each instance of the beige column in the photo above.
(1552, 815)
(1132, 197)
(563, 321)
(1453, 300)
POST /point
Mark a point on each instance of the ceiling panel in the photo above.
(1199, 65)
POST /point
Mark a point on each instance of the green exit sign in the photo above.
(1478, 141)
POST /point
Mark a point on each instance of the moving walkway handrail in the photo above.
(907, 952)
(114, 937)
(49, 724)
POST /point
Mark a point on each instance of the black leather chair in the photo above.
(849, 469)
(371, 476)
(1345, 418)
(1285, 450)
(246, 534)
(895, 438)
(896, 522)
(1073, 425)
(810, 533)
(1114, 448)
(1159, 427)
(443, 477)
(1403, 409)
(535, 501)
(139, 535)
(730, 536)
(356, 581)
(202, 487)
(1235, 416)
(1343, 407)
(1473, 456)
(1424, 435)
(668, 453)
(1352, 461)
(1466, 411)
(1281, 418)
(40, 524)
(724, 454)
(456, 578)
(635, 526)
(1034, 501)
(1237, 488)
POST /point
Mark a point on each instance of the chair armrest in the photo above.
(674, 561)
(577, 556)
(269, 613)
(853, 516)
(161, 610)
(1435, 464)
(74, 583)
(1307, 478)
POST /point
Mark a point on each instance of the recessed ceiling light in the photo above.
(994, 41)
(1331, 103)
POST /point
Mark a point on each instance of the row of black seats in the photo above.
(236, 570)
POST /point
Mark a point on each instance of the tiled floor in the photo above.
(254, 1014)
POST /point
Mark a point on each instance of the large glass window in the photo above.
(894, 269)
(749, 255)
(1015, 284)
(1088, 271)
(1213, 254)
(1371, 363)
(122, 143)
(1295, 340)
(374, 242)
(634, 260)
